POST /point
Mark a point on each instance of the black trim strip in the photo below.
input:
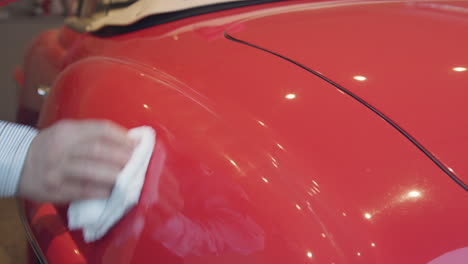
(32, 241)
(360, 100)
(159, 19)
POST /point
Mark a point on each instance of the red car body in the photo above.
(288, 132)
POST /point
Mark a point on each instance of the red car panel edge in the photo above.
(257, 160)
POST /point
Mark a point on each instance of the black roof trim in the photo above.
(159, 19)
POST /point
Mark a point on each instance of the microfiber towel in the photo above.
(97, 216)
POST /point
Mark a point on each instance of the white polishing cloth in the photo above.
(97, 216)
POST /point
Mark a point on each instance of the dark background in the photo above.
(16, 32)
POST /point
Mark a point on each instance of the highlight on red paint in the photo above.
(6, 2)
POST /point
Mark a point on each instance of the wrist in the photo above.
(14, 145)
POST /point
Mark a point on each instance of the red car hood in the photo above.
(406, 59)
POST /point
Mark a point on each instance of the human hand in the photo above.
(74, 160)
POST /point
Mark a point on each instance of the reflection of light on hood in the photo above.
(290, 96)
(315, 189)
(309, 254)
(414, 194)
(372, 244)
(459, 69)
(443, 7)
(411, 194)
(272, 158)
(234, 164)
(265, 179)
(359, 78)
(312, 191)
(298, 207)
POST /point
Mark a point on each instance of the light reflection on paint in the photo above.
(145, 106)
(459, 69)
(414, 194)
(234, 164)
(298, 207)
(359, 78)
(309, 254)
(340, 91)
(290, 96)
(41, 92)
(367, 216)
(265, 179)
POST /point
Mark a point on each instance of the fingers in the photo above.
(93, 172)
(100, 154)
(75, 160)
(78, 190)
(104, 131)
(103, 151)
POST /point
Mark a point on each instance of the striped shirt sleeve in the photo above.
(14, 145)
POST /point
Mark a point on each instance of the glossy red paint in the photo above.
(49, 230)
(257, 160)
(410, 62)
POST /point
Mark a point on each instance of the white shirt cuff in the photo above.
(14, 145)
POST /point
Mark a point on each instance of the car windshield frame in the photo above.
(131, 15)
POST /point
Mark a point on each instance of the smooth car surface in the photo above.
(288, 132)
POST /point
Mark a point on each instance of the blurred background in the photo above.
(19, 23)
